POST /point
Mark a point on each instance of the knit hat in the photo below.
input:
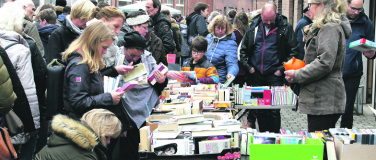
(134, 39)
(141, 19)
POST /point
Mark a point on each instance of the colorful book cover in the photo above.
(128, 86)
(363, 45)
(162, 68)
(189, 76)
(171, 58)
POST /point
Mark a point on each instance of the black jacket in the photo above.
(196, 26)
(83, 90)
(40, 74)
(162, 28)
(59, 41)
(21, 104)
(288, 45)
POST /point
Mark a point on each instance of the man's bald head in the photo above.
(268, 14)
(269, 8)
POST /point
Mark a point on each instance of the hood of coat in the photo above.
(192, 17)
(159, 18)
(76, 132)
(12, 37)
(346, 27)
(61, 17)
(174, 24)
(47, 30)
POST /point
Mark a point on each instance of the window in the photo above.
(219, 11)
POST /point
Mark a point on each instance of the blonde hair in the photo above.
(12, 17)
(331, 13)
(103, 123)
(89, 42)
(183, 22)
(81, 9)
(220, 20)
(107, 12)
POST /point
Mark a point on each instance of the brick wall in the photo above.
(190, 4)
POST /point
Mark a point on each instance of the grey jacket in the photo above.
(322, 89)
(20, 56)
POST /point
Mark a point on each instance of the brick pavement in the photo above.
(297, 122)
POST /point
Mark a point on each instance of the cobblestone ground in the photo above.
(298, 122)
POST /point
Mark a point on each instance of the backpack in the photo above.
(55, 83)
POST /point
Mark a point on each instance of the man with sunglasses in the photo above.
(268, 42)
(361, 27)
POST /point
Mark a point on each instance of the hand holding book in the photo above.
(116, 96)
(159, 76)
(123, 69)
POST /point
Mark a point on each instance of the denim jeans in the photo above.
(27, 149)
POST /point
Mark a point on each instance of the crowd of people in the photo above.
(88, 37)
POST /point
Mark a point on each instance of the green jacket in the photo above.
(71, 140)
(7, 96)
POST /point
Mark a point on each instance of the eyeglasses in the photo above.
(133, 56)
(310, 4)
(197, 52)
(355, 9)
(220, 28)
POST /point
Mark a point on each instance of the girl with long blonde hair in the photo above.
(83, 83)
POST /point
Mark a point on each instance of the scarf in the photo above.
(72, 27)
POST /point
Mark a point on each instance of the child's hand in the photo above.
(229, 76)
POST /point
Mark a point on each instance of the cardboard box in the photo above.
(354, 151)
(152, 125)
(313, 150)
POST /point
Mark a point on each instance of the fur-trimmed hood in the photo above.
(75, 131)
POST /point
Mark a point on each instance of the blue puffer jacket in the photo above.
(222, 53)
(361, 28)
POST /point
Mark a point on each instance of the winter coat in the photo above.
(21, 104)
(61, 17)
(20, 57)
(288, 45)
(59, 41)
(322, 90)
(141, 96)
(72, 140)
(177, 37)
(196, 26)
(32, 31)
(155, 47)
(44, 33)
(83, 90)
(7, 96)
(205, 71)
(185, 48)
(162, 28)
(299, 35)
(40, 73)
(361, 28)
(222, 53)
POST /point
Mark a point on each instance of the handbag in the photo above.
(7, 151)
(14, 123)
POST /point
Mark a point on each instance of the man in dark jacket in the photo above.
(361, 27)
(47, 22)
(306, 20)
(162, 25)
(268, 43)
(72, 27)
(196, 25)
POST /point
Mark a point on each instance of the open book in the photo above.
(139, 74)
